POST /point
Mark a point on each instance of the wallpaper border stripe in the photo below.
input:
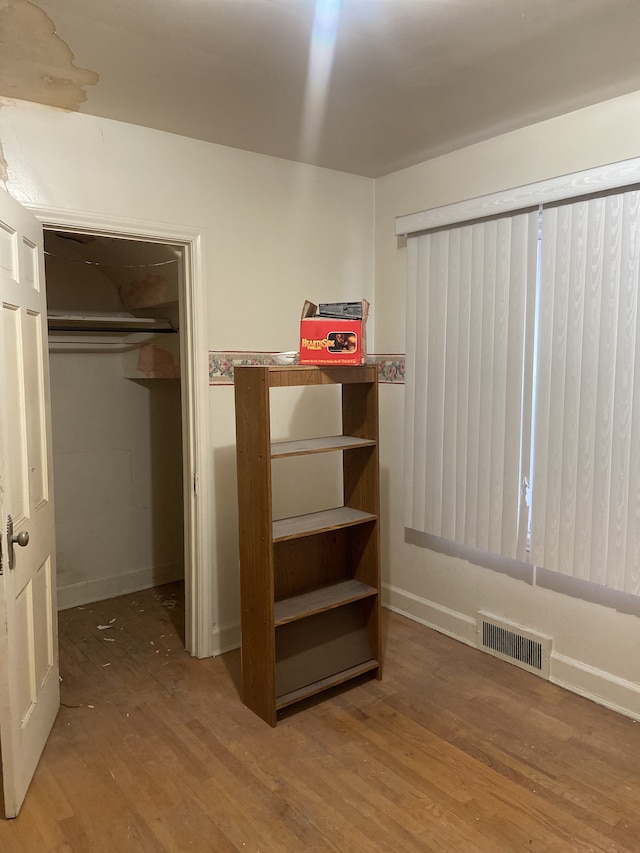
(221, 363)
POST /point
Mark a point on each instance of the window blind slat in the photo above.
(516, 442)
(498, 434)
(529, 277)
(475, 391)
(463, 384)
(489, 272)
(436, 358)
(542, 406)
(451, 399)
(415, 396)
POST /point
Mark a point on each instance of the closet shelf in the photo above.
(74, 342)
(102, 331)
(102, 322)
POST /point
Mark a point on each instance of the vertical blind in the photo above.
(522, 346)
(469, 305)
(585, 507)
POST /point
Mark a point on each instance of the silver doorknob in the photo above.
(21, 539)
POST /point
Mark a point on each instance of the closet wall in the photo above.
(116, 417)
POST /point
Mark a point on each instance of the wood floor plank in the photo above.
(452, 752)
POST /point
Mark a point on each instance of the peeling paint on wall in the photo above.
(35, 64)
(4, 167)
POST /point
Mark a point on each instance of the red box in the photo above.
(324, 340)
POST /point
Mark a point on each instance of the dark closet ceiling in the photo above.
(95, 272)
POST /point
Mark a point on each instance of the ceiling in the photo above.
(361, 86)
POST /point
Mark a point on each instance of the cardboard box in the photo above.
(329, 340)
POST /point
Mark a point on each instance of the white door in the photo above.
(29, 680)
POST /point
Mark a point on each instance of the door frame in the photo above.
(194, 375)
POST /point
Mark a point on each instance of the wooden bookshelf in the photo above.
(315, 575)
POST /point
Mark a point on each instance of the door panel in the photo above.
(17, 474)
(29, 680)
(36, 420)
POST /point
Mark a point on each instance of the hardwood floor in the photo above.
(452, 751)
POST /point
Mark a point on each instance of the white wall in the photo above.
(596, 634)
(117, 478)
(273, 232)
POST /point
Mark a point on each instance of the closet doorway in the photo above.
(117, 409)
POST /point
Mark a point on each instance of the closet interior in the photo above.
(114, 343)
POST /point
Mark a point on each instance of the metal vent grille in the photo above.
(514, 644)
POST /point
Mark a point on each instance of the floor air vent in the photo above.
(514, 644)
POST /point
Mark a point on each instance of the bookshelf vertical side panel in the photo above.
(363, 555)
(361, 481)
(360, 466)
(253, 443)
(360, 409)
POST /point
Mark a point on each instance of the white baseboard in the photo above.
(446, 621)
(98, 589)
(225, 638)
(602, 687)
(618, 694)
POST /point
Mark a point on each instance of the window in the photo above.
(521, 354)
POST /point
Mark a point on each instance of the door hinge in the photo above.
(1, 556)
(195, 483)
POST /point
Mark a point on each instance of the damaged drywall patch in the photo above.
(35, 64)
(156, 362)
(151, 290)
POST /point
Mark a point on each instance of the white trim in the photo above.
(195, 410)
(589, 181)
(449, 622)
(194, 355)
(86, 592)
(618, 694)
(604, 688)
